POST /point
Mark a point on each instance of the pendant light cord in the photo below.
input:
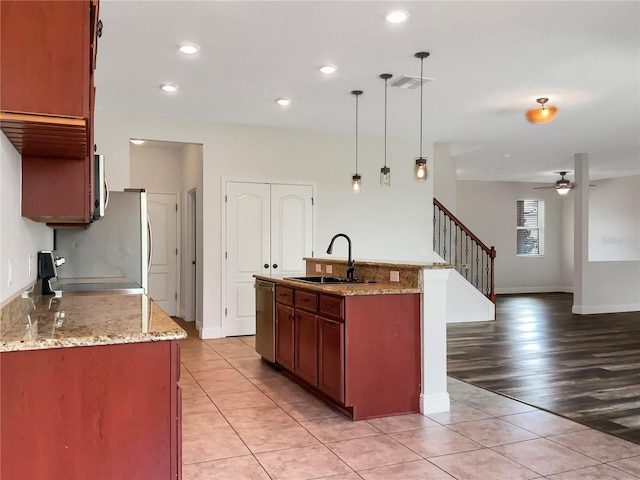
(385, 121)
(421, 85)
(356, 134)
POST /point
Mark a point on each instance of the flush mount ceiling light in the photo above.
(421, 162)
(396, 16)
(385, 172)
(136, 141)
(328, 69)
(169, 88)
(189, 49)
(283, 102)
(356, 178)
(542, 114)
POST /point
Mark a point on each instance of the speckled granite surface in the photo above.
(344, 289)
(75, 320)
(374, 272)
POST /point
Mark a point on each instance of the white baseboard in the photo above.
(486, 317)
(507, 290)
(591, 309)
(210, 333)
(434, 403)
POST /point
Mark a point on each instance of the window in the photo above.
(530, 227)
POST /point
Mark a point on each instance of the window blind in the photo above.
(529, 226)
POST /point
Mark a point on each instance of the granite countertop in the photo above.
(386, 263)
(343, 289)
(83, 319)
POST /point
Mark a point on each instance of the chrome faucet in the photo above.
(350, 262)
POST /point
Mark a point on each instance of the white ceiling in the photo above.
(491, 60)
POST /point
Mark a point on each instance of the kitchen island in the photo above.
(89, 388)
(357, 346)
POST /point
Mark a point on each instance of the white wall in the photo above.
(392, 224)
(567, 241)
(614, 220)
(445, 179)
(489, 210)
(191, 178)
(600, 287)
(19, 237)
(156, 168)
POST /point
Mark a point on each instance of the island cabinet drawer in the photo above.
(306, 300)
(284, 295)
(331, 306)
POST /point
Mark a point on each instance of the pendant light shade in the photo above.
(385, 172)
(421, 169)
(355, 181)
(542, 114)
(421, 162)
(356, 178)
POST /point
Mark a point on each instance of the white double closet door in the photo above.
(269, 230)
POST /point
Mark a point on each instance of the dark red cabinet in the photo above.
(285, 336)
(100, 412)
(47, 57)
(331, 358)
(360, 353)
(306, 346)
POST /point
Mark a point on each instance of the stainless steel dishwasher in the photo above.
(266, 320)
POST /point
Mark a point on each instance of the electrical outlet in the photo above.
(318, 267)
(30, 267)
(329, 269)
(394, 276)
(9, 273)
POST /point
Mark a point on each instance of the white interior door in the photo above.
(291, 228)
(247, 252)
(163, 275)
(269, 230)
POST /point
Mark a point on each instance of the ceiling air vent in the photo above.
(407, 81)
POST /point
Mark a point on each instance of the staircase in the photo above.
(471, 291)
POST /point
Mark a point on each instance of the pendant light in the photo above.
(421, 162)
(542, 114)
(385, 172)
(356, 178)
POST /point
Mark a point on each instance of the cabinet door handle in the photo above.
(266, 265)
(329, 306)
(275, 265)
(304, 300)
(327, 324)
(292, 317)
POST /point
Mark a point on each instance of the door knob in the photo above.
(275, 265)
(266, 265)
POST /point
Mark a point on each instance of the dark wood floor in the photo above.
(583, 367)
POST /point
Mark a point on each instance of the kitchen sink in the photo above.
(324, 280)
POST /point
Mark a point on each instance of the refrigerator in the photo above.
(115, 248)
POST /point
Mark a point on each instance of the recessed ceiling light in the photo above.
(396, 16)
(136, 141)
(189, 49)
(328, 69)
(283, 102)
(169, 88)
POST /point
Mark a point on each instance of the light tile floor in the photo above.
(244, 420)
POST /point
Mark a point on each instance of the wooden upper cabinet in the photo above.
(46, 60)
(47, 56)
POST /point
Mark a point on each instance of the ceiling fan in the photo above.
(562, 186)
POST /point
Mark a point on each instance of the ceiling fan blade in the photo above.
(543, 188)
